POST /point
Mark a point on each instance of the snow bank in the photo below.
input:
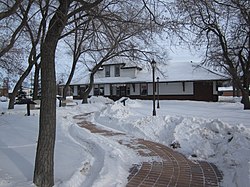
(207, 139)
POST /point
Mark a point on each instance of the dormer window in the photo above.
(107, 71)
(117, 71)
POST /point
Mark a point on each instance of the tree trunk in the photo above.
(91, 80)
(244, 88)
(245, 100)
(44, 162)
(18, 85)
(88, 90)
(86, 94)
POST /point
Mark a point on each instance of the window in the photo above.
(117, 71)
(133, 85)
(118, 90)
(111, 89)
(101, 90)
(128, 89)
(144, 89)
(107, 71)
(96, 90)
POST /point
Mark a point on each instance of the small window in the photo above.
(96, 90)
(128, 89)
(111, 89)
(183, 87)
(107, 71)
(144, 89)
(133, 85)
(117, 90)
(117, 71)
(101, 90)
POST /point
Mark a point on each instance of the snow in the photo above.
(215, 132)
(228, 88)
(172, 72)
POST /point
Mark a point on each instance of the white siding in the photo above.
(166, 89)
(136, 71)
(106, 89)
(100, 74)
(92, 91)
(75, 91)
(128, 73)
(150, 89)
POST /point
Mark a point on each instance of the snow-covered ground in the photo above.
(215, 132)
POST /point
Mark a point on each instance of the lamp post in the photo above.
(153, 64)
(158, 97)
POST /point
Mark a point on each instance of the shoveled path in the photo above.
(169, 169)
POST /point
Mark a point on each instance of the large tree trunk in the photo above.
(244, 92)
(245, 99)
(18, 86)
(44, 162)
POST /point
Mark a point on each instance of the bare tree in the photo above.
(9, 8)
(14, 15)
(109, 33)
(44, 162)
(224, 27)
(11, 62)
(76, 46)
(33, 29)
(8, 26)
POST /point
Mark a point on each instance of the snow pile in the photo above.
(207, 139)
(229, 99)
(100, 100)
(117, 110)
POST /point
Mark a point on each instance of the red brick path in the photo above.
(169, 167)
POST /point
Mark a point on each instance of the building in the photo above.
(179, 81)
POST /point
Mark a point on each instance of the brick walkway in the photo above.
(169, 169)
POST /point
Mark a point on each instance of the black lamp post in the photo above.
(153, 64)
(158, 102)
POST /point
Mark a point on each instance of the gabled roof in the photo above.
(172, 72)
(188, 71)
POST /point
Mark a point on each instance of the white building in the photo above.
(181, 81)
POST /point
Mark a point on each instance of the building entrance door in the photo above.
(122, 91)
